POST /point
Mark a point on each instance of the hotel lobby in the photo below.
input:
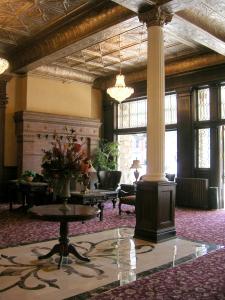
(148, 76)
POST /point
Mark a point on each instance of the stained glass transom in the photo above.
(203, 104)
(222, 89)
(171, 109)
(204, 148)
(132, 114)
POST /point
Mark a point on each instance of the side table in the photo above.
(53, 213)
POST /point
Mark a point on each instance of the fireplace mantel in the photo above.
(35, 129)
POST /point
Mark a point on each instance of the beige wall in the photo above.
(53, 96)
(16, 92)
(96, 104)
(47, 95)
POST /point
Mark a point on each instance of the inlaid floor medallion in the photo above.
(115, 259)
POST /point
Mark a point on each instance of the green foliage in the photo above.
(28, 173)
(106, 156)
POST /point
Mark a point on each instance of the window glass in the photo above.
(171, 152)
(204, 148)
(171, 109)
(203, 104)
(132, 114)
(222, 89)
(131, 147)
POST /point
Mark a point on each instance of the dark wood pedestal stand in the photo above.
(155, 207)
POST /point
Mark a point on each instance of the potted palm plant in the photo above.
(105, 157)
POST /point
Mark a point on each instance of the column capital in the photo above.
(155, 17)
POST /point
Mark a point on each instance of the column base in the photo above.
(155, 207)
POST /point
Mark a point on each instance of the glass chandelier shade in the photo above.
(120, 91)
(4, 64)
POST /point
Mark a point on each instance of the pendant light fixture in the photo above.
(120, 91)
(4, 64)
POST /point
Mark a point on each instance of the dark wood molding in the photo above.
(155, 205)
(3, 104)
(184, 133)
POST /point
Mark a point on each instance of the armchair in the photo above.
(127, 195)
(108, 182)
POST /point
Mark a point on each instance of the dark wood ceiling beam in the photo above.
(58, 43)
(172, 68)
(135, 5)
(168, 5)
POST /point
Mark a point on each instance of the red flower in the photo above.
(77, 147)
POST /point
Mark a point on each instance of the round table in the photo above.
(54, 214)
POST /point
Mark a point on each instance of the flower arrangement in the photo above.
(84, 177)
(63, 161)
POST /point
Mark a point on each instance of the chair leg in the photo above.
(120, 210)
(114, 203)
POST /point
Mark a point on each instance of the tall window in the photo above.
(131, 146)
(203, 134)
(171, 109)
(222, 93)
(203, 104)
(132, 117)
(204, 148)
(171, 152)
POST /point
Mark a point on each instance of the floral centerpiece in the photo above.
(63, 162)
(84, 177)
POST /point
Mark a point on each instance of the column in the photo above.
(155, 19)
(155, 197)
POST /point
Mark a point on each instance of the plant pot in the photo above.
(29, 178)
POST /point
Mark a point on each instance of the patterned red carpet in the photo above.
(203, 278)
(17, 228)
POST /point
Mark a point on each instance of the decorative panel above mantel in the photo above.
(34, 131)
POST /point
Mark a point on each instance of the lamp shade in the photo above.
(120, 91)
(136, 164)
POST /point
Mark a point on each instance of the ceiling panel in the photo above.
(197, 27)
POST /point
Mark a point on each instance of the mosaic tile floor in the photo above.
(116, 259)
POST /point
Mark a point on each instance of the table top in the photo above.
(93, 193)
(53, 212)
(89, 194)
(27, 183)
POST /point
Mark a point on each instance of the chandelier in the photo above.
(4, 64)
(120, 91)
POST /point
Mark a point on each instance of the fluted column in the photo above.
(155, 19)
(155, 197)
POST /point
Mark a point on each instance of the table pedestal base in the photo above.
(64, 248)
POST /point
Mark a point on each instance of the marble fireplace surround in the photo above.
(34, 132)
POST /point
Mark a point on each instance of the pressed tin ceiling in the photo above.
(84, 40)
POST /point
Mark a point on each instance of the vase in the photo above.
(64, 193)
